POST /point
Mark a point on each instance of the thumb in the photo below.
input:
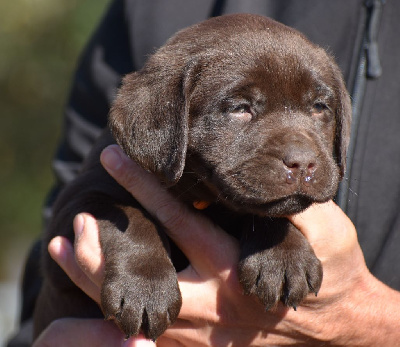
(80, 332)
(326, 227)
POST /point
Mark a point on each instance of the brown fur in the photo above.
(240, 111)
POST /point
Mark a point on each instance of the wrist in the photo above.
(370, 315)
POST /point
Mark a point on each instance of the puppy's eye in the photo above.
(319, 108)
(242, 112)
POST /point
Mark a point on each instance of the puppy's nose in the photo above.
(300, 163)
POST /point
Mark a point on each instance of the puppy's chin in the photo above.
(286, 206)
(277, 208)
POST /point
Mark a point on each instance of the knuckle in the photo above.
(172, 215)
(129, 179)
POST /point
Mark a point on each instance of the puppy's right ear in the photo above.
(149, 121)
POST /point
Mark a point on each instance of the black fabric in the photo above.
(375, 180)
(133, 29)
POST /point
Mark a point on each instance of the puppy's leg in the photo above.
(140, 289)
(278, 263)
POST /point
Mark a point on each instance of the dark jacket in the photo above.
(363, 36)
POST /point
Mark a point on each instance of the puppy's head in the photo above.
(259, 113)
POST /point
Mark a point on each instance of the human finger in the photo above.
(334, 240)
(87, 247)
(214, 248)
(62, 252)
(87, 332)
(80, 332)
(324, 224)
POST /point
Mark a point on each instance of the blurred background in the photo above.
(40, 43)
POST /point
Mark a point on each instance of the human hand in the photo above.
(214, 310)
(67, 332)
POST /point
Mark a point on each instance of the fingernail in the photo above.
(111, 159)
(57, 250)
(79, 224)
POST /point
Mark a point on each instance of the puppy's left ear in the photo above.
(343, 126)
(149, 120)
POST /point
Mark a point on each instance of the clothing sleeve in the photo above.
(103, 63)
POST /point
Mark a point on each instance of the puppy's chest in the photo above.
(231, 222)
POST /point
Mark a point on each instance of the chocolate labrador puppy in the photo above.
(240, 113)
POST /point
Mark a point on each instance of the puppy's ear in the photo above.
(343, 126)
(149, 121)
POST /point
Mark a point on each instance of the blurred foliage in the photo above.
(40, 42)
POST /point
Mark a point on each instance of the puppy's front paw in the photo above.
(145, 298)
(289, 278)
(286, 270)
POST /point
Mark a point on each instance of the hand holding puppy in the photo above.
(214, 310)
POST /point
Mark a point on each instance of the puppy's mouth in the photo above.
(276, 199)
